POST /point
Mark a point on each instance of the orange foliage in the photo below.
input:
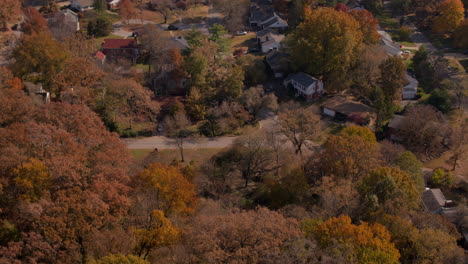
(369, 243)
(451, 14)
(174, 193)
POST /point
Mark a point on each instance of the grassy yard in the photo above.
(407, 44)
(388, 23)
(166, 156)
(246, 41)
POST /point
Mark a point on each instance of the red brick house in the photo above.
(118, 49)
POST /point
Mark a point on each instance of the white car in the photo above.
(241, 33)
(407, 51)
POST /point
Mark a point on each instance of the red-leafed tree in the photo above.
(368, 25)
(34, 21)
(126, 10)
(342, 7)
(9, 11)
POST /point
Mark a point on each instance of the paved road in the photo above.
(419, 39)
(162, 142)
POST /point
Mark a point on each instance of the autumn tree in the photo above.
(389, 190)
(347, 156)
(170, 190)
(39, 57)
(32, 179)
(422, 245)
(363, 132)
(177, 127)
(458, 147)
(364, 243)
(409, 163)
(424, 131)
(255, 71)
(368, 25)
(159, 232)
(451, 14)
(256, 101)
(240, 236)
(235, 13)
(100, 27)
(441, 177)
(122, 102)
(119, 259)
(392, 77)
(87, 167)
(126, 10)
(366, 75)
(299, 126)
(164, 7)
(336, 196)
(10, 10)
(255, 158)
(34, 21)
(320, 55)
(460, 35)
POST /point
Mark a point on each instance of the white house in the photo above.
(269, 40)
(410, 89)
(304, 85)
(82, 5)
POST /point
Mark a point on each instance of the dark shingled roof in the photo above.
(119, 43)
(277, 60)
(345, 106)
(433, 199)
(266, 31)
(304, 79)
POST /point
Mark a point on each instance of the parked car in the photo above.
(253, 50)
(241, 33)
(172, 27)
(407, 51)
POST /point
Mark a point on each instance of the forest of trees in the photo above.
(302, 189)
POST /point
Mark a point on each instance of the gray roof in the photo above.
(433, 199)
(389, 45)
(396, 121)
(277, 60)
(274, 20)
(304, 79)
(344, 106)
(266, 31)
(261, 13)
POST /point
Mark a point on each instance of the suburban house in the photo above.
(82, 5)
(346, 110)
(37, 93)
(278, 63)
(64, 23)
(391, 48)
(268, 39)
(262, 15)
(113, 4)
(410, 89)
(435, 202)
(117, 49)
(304, 85)
(100, 57)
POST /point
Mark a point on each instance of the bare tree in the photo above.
(458, 144)
(424, 130)
(177, 128)
(235, 13)
(299, 125)
(256, 157)
(257, 101)
(164, 7)
(154, 44)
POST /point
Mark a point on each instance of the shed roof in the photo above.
(433, 199)
(345, 106)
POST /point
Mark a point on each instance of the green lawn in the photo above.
(388, 23)
(166, 156)
(407, 44)
(139, 154)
